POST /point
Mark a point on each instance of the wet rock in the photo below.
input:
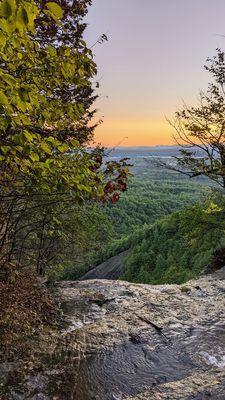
(129, 342)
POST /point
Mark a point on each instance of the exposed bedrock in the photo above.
(128, 341)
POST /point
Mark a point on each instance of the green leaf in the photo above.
(3, 98)
(4, 149)
(2, 39)
(22, 19)
(23, 94)
(10, 80)
(74, 142)
(63, 147)
(28, 136)
(26, 149)
(53, 141)
(7, 26)
(34, 156)
(20, 104)
(55, 10)
(32, 13)
(7, 8)
(46, 148)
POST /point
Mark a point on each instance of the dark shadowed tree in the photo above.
(200, 130)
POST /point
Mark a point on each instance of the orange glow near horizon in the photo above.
(134, 133)
(152, 63)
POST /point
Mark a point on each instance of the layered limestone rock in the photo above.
(124, 341)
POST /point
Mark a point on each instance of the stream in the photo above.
(123, 341)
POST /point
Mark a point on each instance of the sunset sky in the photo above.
(152, 61)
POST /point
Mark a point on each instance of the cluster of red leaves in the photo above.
(25, 309)
(111, 191)
(116, 175)
(117, 185)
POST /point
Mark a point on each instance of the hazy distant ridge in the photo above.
(145, 151)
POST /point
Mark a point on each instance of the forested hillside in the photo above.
(152, 194)
(180, 246)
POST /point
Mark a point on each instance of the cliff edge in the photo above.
(124, 341)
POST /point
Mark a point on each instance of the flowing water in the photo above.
(133, 342)
(143, 359)
(128, 370)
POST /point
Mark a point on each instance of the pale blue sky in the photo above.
(154, 58)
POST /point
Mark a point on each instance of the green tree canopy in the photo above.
(46, 97)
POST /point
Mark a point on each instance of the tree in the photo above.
(46, 94)
(200, 130)
(179, 246)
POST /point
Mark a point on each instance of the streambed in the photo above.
(125, 341)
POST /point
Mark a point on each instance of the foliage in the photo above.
(26, 309)
(179, 246)
(150, 198)
(38, 119)
(46, 95)
(152, 194)
(79, 233)
(200, 130)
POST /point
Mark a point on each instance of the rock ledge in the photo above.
(130, 341)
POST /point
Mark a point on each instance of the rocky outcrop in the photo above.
(130, 342)
(110, 269)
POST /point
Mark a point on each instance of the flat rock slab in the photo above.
(126, 341)
(111, 269)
